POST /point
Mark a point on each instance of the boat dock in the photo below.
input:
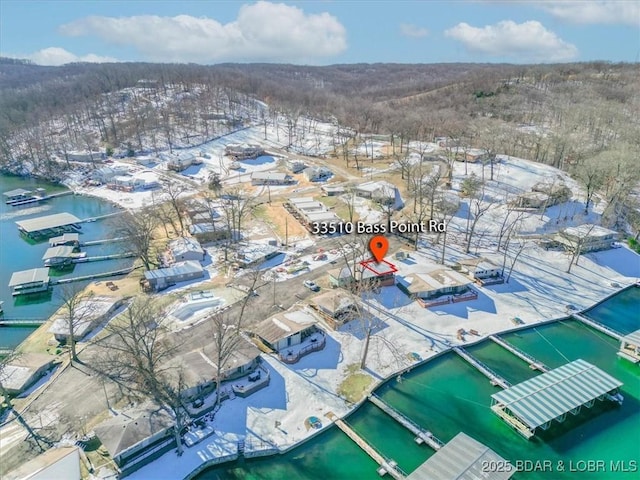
(533, 363)
(598, 326)
(493, 377)
(114, 273)
(386, 465)
(100, 242)
(422, 435)
(21, 322)
(5, 352)
(37, 198)
(100, 258)
(100, 217)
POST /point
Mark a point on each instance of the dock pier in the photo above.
(598, 326)
(100, 217)
(113, 256)
(494, 378)
(36, 198)
(100, 242)
(114, 273)
(5, 352)
(533, 363)
(386, 465)
(422, 435)
(21, 322)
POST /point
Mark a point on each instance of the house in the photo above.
(249, 255)
(296, 166)
(23, 371)
(587, 237)
(381, 192)
(85, 156)
(106, 174)
(307, 211)
(433, 284)
(317, 174)
(481, 270)
(558, 192)
(271, 178)
(199, 368)
(185, 248)
(56, 463)
(211, 231)
(333, 189)
(133, 432)
(285, 329)
(161, 278)
(123, 182)
(146, 160)
(365, 274)
(243, 151)
(181, 161)
(336, 307)
(88, 315)
(534, 200)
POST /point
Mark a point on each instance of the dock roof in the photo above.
(16, 193)
(61, 251)
(633, 338)
(29, 276)
(462, 458)
(66, 237)
(46, 222)
(548, 396)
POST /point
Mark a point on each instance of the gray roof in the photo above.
(283, 325)
(49, 221)
(16, 193)
(29, 276)
(633, 338)
(66, 237)
(180, 268)
(548, 396)
(463, 458)
(65, 251)
(269, 176)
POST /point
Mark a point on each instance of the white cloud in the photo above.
(414, 31)
(625, 12)
(59, 56)
(263, 31)
(527, 41)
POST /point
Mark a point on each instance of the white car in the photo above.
(311, 285)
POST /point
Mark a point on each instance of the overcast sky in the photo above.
(320, 32)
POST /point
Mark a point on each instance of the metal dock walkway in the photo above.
(104, 240)
(422, 435)
(114, 273)
(533, 363)
(495, 379)
(598, 326)
(37, 199)
(386, 465)
(21, 322)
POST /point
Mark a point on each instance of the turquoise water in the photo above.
(17, 254)
(622, 312)
(446, 396)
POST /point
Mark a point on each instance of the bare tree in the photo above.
(138, 229)
(137, 355)
(175, 192)
(77, 308)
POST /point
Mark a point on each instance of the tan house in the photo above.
(433, 284)
(336, 307)
(588, 237)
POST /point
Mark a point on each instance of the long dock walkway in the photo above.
(114, 273)
(100, 217)
(598, 326)
(35, 198)
(113, 256)
(495, 379)
(100, 242)
(422, 435)
(21, 322)
(533, 363)
(386, 465)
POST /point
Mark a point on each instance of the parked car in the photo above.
(311, 285)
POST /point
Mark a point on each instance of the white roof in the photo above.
(435, 280)
(183, 245)
(180, 268)
(59, 251)
(269, 176)
(29, 276)
(375, 186)
(633, 338)
(48, 221)
(589, 229)
(548, 396)
(299, 200)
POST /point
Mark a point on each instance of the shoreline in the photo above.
(379, 383)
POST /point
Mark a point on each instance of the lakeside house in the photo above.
(271, 178)
(433, 284)
(20, 373)
(317, 174)
(161, 278)
(198, 368)
(133, 433)
(291, 334)
(184, 249)
(296, 166)
(88, 315)
(336, 307)
(481, 271)
(381, 192)
(243, 151)
(85, 155)
(369, 274)
(587, 237)
(56, 463)
(253, 254)
(106, 174)
(181, 161)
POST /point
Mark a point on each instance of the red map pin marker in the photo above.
(379, 246)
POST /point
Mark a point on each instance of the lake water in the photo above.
(17, 254)
(447, 395)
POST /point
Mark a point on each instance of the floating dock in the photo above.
(422, 435)
(100, 258)
(494, 378)
(598, 326)
(94, 276)
(21, 322)
(386, 465)
(49, 226)
(533, 363)
(37, 198)
(100, 242)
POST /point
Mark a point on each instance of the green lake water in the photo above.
(17, 254)
(446, 396)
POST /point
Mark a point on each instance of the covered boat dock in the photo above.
(49, 225)
(29, 281)
(630, 347)
(463, 458)
(537, 402)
